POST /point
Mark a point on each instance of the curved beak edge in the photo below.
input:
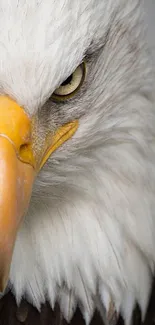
(16, 180)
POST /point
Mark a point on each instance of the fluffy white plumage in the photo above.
(90, 230)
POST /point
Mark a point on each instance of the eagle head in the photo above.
(77, 155)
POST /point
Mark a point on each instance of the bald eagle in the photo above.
(77, 158)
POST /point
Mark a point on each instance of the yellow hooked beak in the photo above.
(19, 165)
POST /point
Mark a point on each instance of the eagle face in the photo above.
(88, 235)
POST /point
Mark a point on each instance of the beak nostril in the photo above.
(24, 146)
(26, 154)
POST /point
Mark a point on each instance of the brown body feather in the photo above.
(26, 314)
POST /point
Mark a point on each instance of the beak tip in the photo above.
(3, 284)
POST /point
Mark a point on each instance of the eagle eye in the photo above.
(71, 85)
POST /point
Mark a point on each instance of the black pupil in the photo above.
(67, 81)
